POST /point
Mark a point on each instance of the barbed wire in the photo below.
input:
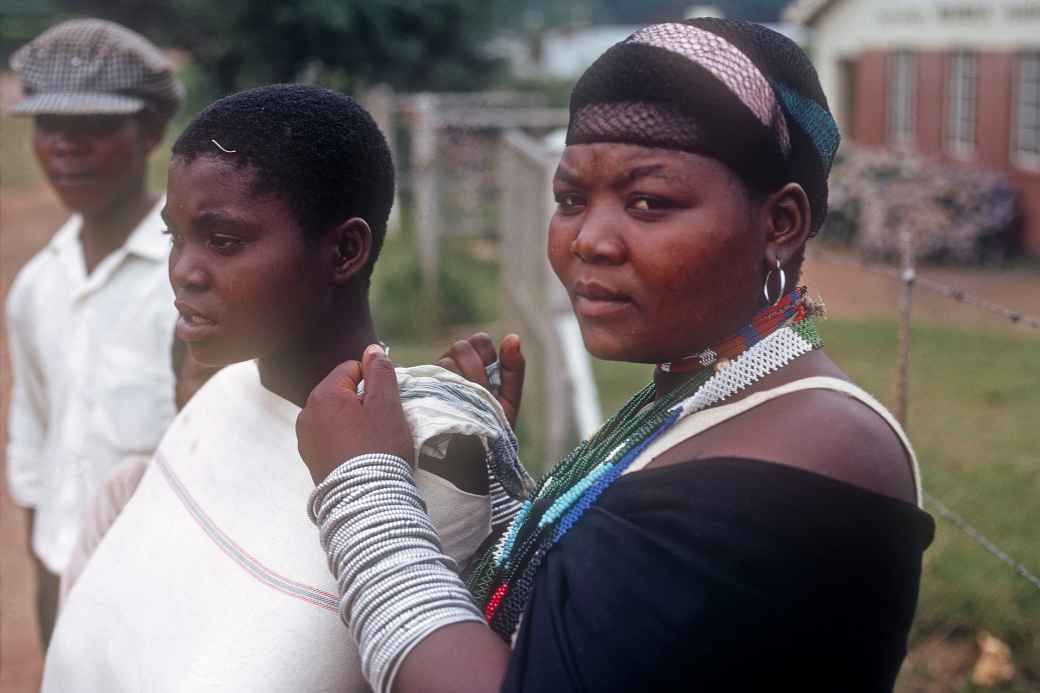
(980, 538)
(950, 292)
(909, 276)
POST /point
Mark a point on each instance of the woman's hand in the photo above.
(471, 357)
(337, 424)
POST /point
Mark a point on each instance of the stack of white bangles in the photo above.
(396, 584)
(439, 405)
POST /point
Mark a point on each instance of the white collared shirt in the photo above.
(90, 358)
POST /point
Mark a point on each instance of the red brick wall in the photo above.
(996, 71)
(871, 97)
(1028, 183)
(995, 96)
(993, 126)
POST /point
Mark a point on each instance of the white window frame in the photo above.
(962, 103)
(902, 90)
(1025, 133)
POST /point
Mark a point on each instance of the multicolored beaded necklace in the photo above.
(504, 578)
(789, 307)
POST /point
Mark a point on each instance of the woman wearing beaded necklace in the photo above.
(750, 519)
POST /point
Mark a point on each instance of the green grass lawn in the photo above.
(975, 424)
(17, 165)
(974, 415)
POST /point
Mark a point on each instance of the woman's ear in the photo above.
(788, 220)
(351, 247)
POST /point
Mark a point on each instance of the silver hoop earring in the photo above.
(783, 284)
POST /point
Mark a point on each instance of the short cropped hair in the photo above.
(316, 148)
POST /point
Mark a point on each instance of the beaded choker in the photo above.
(791, 307)
(503, 580)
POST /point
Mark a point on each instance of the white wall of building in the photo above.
(850, 26)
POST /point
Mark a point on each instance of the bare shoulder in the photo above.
(842, 437)
(823, 431)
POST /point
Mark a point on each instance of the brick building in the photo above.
(955, 80)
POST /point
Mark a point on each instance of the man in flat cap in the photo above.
(91, 317)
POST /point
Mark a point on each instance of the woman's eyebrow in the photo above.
(661, 171)
(212, 218)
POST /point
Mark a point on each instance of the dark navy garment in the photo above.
(725, 575)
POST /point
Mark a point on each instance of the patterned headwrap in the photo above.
(735, 91)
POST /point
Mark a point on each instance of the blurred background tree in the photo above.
(412, 45)
(646, 11)
(20, 21)
(409, 44)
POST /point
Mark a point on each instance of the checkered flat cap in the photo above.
(91, 66)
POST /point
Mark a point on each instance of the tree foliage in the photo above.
(645, 11)
(410, 44)
(535, 15)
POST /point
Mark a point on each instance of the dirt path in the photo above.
(852, 292)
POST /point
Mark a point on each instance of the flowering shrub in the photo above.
(954, 213)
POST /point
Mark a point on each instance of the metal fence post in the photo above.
(908, 276)
(427, 204)
(562, 403)
(380, 102)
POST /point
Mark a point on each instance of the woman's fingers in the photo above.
(512, 365)
(484, 346)
(467, 362)
(471, 357)
(448, 363)
(336, 425)
(350, 375)
(318, 426)
(381, 391)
